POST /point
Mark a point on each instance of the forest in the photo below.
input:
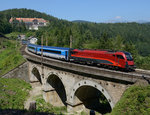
(132, 37)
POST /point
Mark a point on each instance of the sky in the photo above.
(89, 10)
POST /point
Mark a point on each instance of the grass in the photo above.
(13, 93)
(10, 56)
(135, 101)
(12, 35)
(42, 106)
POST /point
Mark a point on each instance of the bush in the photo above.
(42, 106)
(143, 62)
(135, 101)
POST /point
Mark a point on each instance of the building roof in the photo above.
(28, 19)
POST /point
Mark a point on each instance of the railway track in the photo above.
(142, 74)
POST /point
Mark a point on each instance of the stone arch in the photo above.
(89, 84)
(36, 75)
(55, 83)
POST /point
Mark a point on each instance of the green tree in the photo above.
(117, 43)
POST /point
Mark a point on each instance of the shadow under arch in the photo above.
(36, 74)
(57, 84)
(93, 96)
(93, 99)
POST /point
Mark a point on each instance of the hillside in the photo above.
(135, 101)
(26, 13)
(13, 93)
(81, 21)
(10, 55)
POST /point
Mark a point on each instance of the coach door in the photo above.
(66, 55)
(120, 59)
(116, 61)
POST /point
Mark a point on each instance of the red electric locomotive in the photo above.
(115, 59)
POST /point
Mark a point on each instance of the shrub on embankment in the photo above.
(42, 106)
(13, 93)
(135, 101)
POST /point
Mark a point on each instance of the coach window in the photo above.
(120, 57)
(51, 51)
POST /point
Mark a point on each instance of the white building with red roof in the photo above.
(31, 23)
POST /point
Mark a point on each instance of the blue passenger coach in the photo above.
(54, 52)
(32, 48)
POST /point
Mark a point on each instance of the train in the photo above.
(107, 58)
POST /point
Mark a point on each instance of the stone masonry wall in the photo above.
(19, 72)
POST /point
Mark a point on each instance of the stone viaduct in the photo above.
(78, 86)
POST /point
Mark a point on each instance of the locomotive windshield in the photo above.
(129, 56)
